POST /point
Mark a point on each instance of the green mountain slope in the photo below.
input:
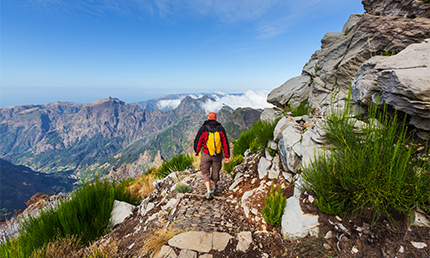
(104, 135)
(20, 183)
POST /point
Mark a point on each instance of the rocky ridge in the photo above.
(386, 26)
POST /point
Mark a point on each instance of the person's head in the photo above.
(212, 116)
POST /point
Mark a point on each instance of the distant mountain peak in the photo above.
(107, 100)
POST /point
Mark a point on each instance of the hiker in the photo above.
(213, 140)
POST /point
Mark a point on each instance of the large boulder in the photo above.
(332, 68)
(291, 92)
(299, 145)
(402, 81)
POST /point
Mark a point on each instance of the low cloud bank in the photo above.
(169, 104)
(252, 99)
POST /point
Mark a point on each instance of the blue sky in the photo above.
(81, 51)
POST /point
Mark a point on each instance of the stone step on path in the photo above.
(195, 212)
(205, 224)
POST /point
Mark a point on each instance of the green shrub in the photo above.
(302, 109)
(255, 138)
(316, 69)
(182, 188)
(242, 143)
(274, 206)
(375, 167)
(236, 160)
(272, 152)
(177, 163)
(387, 53)
(348, 30)
(86, 215)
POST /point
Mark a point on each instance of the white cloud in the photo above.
(168, 104)
(252, 99)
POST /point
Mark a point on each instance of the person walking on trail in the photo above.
(212, 140)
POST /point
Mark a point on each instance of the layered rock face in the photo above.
(402, 81)
(330, 71)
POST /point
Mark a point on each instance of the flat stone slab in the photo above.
(185, 253)
(194, 240)
(245, 240)
(220, 241)
(166, 252)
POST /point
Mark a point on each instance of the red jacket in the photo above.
(202, 135)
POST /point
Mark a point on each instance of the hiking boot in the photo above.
(209, 196)
(215, 190)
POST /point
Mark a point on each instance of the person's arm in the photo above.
(225, 145)
(197, 141)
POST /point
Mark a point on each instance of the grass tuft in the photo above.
(64, 247)
(85, 215)
(182, 188)
(177, 163)
(142, 186)
(236, 160)
(375, 166)
(255, 138)
(157, 240)
(302, 109)
(274, 206)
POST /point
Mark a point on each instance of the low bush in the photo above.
(177, 163)
(182, 188)
(85, 215)
(302, 109)
(156, 240)
(236, 160)
(274, 206)
(142, 186)
(255, 138)
(388, 53)
(374, 167)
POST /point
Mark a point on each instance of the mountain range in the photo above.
(97, 137)
(65, 142)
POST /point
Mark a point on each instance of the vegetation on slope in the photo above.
(178, 163)
(376, 166)
(85, 215)
(300, 110)
(256, 138)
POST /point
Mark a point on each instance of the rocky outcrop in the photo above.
(328, 74)
(299, 141)
(120, 211)
(407, 8)
(402, 81)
